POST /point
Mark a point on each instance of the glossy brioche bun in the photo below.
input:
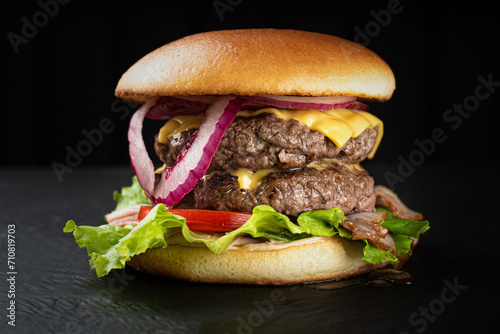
(317, 259)
(259, 61)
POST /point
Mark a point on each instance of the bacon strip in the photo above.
(387, 198)
(366, 225)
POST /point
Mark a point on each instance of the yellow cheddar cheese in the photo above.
(249, 179)
(337, 124)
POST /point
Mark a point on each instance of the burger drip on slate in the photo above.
(262, 137)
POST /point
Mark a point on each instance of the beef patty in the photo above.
(291, 191)
(266, 141)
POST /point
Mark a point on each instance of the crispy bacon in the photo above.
(366, 225)
(387, 198)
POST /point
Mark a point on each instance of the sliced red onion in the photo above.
(139, 159)
(167, 111)
(356, 105)
(195, 101)
(252, 106)
(195, 158)
(303, 102)
(172, 106)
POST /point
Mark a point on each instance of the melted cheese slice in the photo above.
(337, 124)
(178, 124)
(249, 179)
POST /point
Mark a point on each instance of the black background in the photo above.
(60, 84)
(62, 80)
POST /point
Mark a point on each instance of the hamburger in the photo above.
(258, 176)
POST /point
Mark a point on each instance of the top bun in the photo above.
(259, 62)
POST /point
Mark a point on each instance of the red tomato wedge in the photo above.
(206, 221)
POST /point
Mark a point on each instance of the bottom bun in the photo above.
(308, 260)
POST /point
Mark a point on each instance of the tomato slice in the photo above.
(206, 221)
(143, 212)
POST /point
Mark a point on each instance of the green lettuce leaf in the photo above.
(265, 222)
(411, 228)
(323, 223)
(403, 244)
(131, 195)
(373, 255)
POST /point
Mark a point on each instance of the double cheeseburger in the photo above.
(257, 178)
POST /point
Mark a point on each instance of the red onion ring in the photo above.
(303, 102)
(139, 159)
(167, 111)
(356, 105)
(194, 159)
(195, 101)
(172, 106)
